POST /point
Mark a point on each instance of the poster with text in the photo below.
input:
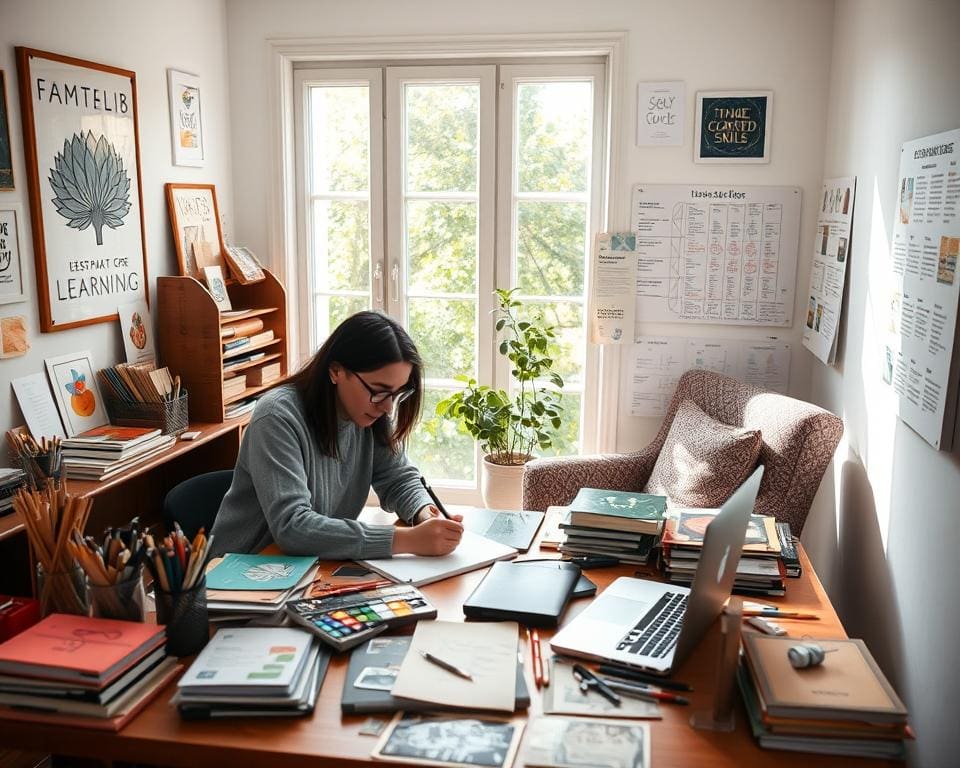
(716, 254)
(612, 299)
(921, 288)
(831, 249)
(661, 112)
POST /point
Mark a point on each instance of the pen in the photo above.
(641, 677)
(588, 680)
(779, 614)
(433, 496)
(533, 637)
(641, 691)
(446, 665)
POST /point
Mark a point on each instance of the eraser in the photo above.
(190, 435)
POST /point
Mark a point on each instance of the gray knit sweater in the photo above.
(285, 491)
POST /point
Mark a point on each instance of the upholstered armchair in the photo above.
(798, 440)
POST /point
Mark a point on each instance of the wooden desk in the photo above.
(138, 491)
(327, 738)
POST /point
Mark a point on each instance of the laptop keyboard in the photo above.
(656, 632)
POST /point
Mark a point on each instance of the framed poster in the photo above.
(244, 264)
(6, 156)
(11, 268)
(195, 219)
(186, 126)
(733, 127)
(81, 141)
(76, 393)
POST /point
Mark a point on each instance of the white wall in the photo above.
(781, 46)
(887, 550)
(145, 37)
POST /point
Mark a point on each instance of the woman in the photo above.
(316, 444)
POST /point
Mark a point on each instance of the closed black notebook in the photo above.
(376, 663)
(533, 593)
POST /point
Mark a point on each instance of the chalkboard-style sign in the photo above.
(733, 127)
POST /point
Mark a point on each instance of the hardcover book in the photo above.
(598, 508)
(258, 572)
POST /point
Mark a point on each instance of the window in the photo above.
(419, 201)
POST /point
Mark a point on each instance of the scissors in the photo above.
(588, 680)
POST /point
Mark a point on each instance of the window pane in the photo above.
(333, 310)
(442, 137)
(568, 349)
(340, 122)
(553, 129)
(441, 247)
(566, 440)
(551, 248)
(437, 447)
(443, 330)
(341, 245)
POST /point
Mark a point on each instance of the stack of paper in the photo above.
(253, 671)
(102, 452)
(10, 481)
(80, 671)
(241, 587)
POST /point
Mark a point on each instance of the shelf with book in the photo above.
(192, 332)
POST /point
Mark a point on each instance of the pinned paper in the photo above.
(13, 337)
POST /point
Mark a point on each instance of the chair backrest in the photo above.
(194, 503)
(799, 438)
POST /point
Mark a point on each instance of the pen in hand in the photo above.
(433, 497)
(446, 665)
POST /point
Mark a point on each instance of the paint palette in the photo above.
(346, 620)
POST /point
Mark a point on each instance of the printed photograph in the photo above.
(841, 249)
(377, 678)
(947, 265)
(906, 200)
(824, 237)
(571, 742)
(436, 740)
(811, 311)
(816, 322)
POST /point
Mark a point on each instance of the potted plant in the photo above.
(509, 429)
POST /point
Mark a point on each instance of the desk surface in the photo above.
(327, 738)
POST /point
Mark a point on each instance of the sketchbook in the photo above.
(473, 552)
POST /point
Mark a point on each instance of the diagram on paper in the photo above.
(710, 254)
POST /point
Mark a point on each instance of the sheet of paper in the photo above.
(487, 650)
(613, 292)
(661, 112)
(39, 410)
(564, 697)
(137, 330)
(474, 551)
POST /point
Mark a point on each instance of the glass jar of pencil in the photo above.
(62, 590)
(121, 599)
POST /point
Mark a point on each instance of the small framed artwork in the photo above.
(195, 218)
(449, 741)
(6, 156)
(81, 141)
(218, 287)
(733, 127)
(76, 393)
(11, 268)
(186, 125)
(244, 265)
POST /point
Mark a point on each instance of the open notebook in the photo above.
(474, 551)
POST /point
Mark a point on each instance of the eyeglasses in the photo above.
(377, 397)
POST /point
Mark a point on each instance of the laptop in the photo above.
(513, 528)
(654, 626)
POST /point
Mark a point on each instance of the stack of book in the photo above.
(253, 672)
(843, 706)
(102, 452)
(10, 480)
(239, 344)
(760, 571)
(244, 587)
(234, 386)
(615, 524)
(240, 407)
(788, 550)
(81, 671)
(241, 328)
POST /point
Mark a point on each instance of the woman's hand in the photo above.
(429, 511)
(434, 536)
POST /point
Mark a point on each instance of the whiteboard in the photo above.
(715, 254)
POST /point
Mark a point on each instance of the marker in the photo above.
(436, 502)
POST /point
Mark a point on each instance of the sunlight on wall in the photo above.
(880, 403)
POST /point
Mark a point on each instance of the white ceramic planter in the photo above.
(501, 485)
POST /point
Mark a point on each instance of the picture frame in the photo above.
(195, 218)
(12, 286)
(6, 154)
(733, 127)
(244, 265)
(186, 118)
(76, 393)
(81, 134)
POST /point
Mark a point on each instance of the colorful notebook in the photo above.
(258, 572)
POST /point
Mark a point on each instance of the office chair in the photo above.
(798, 440)
(194, 502)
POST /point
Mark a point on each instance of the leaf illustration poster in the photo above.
(83, 168)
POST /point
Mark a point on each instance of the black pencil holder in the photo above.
(185, 615)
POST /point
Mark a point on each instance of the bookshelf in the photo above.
(191, 343)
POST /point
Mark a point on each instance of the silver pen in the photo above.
(446, 665)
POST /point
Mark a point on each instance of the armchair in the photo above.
(798, 441)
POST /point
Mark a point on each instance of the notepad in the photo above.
(473, 552)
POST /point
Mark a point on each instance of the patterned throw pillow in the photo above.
(702, 461)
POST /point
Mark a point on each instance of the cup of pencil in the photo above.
(122, 599)
(178, 566)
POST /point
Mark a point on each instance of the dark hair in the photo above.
(363, 342)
